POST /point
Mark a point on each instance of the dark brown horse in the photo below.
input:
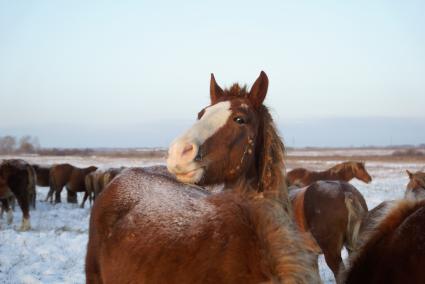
(18, 177)
(393, 250)
(72, 177)
(343, 172)
(330, 214)
(43, 175)
(149, 228)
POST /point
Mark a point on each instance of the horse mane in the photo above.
(420, 176)
(342, 166)
(382, 227)
(270, 165)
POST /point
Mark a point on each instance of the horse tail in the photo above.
(31, 185)
(355, 216)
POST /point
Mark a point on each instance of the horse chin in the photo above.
(193, 176)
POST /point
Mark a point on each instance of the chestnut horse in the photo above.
(17, 177)
(330, 214)
(149, 228)
(343, 172)
(72, 177)
(93, 182)
(393, 250)
(416, 187)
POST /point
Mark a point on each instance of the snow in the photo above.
(53, 251)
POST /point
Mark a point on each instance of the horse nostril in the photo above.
(188, 148)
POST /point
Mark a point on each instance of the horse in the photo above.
(93, 182)
(393, 249)
(42, 173)
(146, 227)
(329, 213)
(70, 176)
(76, 183)
(17, 177)
(346, 171)
(58, 177)
(415, 189)
(109, 175)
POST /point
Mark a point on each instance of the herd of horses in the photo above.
(163, 224)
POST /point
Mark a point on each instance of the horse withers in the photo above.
(147, 227)
(345, 171)
(329, 213)
(17, 177)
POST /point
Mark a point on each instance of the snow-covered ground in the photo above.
(53, 251)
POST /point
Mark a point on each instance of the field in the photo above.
(53, 250)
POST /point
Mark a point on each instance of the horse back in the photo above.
(148, 228)
(394, 251)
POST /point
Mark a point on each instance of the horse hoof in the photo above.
(25, 225)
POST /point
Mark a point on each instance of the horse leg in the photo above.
(86, 195)
(333, 259)
(58, 192)
(6, 207)
(23, 201)
(50, 195)
(71, 196)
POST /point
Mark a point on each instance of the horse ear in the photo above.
(259, 90)
(215, 91)
(409, 174)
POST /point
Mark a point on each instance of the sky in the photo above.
(136, 73)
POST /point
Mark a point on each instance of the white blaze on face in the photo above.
(184, 149)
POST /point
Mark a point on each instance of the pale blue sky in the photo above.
(135, 73)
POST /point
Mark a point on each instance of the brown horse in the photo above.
(109, 175)
(42, 173)
(393, 250)
(416, 187)
(343, 172)
(72, 177)
(17, 177)
(93, 182)
(330, 214)
(149, 228)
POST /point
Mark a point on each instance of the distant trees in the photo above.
(25, 145)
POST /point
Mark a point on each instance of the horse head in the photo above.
(233, 140)
(415, 189)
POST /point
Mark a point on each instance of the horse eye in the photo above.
(239, 120)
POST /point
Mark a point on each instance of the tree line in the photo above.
(24, 145)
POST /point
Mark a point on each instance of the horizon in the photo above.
(134, 74)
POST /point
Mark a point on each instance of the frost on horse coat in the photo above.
(150, 228)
